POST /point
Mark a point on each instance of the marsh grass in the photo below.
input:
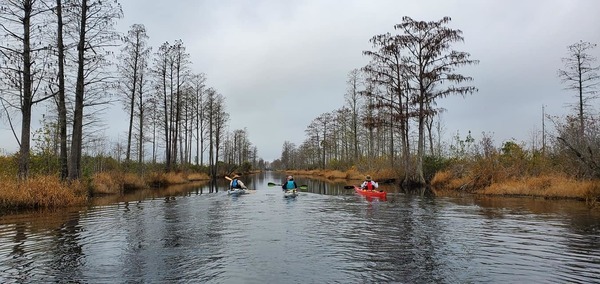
(117, 182)
(47, 191)
(114, 182)
(446, 180)
(547, 186)
(105, 183)
(335, 175)
(40, 192)
(198, 177)
(159, 179)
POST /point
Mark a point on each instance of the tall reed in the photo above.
(40, 192)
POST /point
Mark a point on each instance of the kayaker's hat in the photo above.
(369, 178)
(236, 176)
(290, 177)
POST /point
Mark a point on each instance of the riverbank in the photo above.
(444, 183)
(549, 186)
(40, 192)
(350, 175)
(50, 192)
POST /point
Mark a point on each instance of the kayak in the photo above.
(290, 193)
(370, 193)
(236, 191)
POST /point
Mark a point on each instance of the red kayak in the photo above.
(370, 193)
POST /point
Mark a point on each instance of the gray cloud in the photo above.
(282, 63)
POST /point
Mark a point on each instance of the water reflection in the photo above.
(328, 234)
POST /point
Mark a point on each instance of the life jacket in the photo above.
(289, 184)
(369, 185)
(234, 184)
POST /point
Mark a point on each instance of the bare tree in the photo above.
(180, 65)
(142, 99)
(579, 135)
(581, 75)
(387, 91)
(155, 121)
(320, 130)
(287, 155)
(216, 120)
(61, 95)
(345, 137)
(161, 70)
(24, 64)
(198, 87)
(354, 103)
(431, 65)
(241, 147)
(133, 58)
(95, 32)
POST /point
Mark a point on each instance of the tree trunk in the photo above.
(27, 94)
(418, 175)
(580, 87)
(141, 122)
(62, 108)
(77, 139)
(132, 101)
(166, 120)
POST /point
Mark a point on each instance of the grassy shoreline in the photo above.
(350, 175)
(548, 186)
(45, 192)
(49, 192)
(552, 186)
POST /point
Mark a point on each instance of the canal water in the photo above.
(325, 235)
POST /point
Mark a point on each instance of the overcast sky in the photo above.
(280, 64)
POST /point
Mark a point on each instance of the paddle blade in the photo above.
(349, 186)
(227, 178)
(272, 184)
(304, 186)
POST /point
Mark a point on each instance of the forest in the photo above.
(66, 57)
(391, 124)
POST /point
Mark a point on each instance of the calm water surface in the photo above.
(325, 235)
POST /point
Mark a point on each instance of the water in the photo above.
(325, 235)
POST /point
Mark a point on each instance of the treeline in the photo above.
(67, 56)
(392, 119)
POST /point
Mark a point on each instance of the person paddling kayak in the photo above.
(289, 184)
(369, 184)
(236, 183)
(289, 188)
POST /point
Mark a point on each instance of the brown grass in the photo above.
(197, 177)
(115, 183)
(105, 183)
(354, 174)
(547, 186)
(50, 192)
(336, 175)
(40, 192)
(132, 182)
(158, 179)
(446, 180)
(441, 180)
(553, 186)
